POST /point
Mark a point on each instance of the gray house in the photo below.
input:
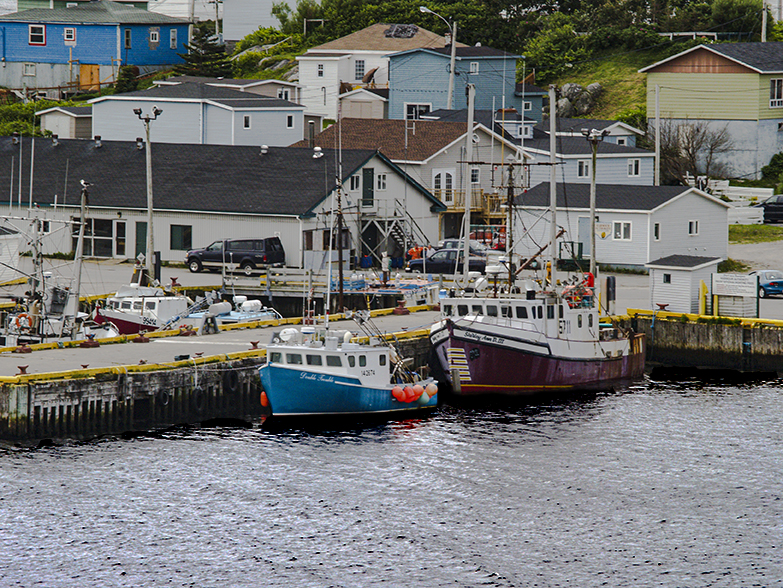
(617, 132)
(67, 122)
(199, 114)
(675, 281)
(634, 224)
(203, 193)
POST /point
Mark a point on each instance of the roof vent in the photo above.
(55, 140)
(264, 149)
(98, 142)
(401, 31)
(139, 143)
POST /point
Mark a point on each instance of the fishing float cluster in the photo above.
(416, 393)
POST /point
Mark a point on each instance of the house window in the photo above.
(621, 141)
(320, 70)
(289, 121)
(528, 133)
(527, 105)
(308, 240)
(154, 37)
(443, 184)
(69, 34)
(359, 69)
(693, 227)
(29, 69)
(583, 168)
(474, 67)
(181, 237)
(127, 38)
(37, 34)
(356, 182)
(621, 230)
(657, 231)
(633, 167)
(380, 182)
(667, 278)
(173, 39)
(474, 175)
(416, 111)
(283, 94)
(246, 121)
(776, 93)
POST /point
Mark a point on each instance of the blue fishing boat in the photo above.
(312, 371)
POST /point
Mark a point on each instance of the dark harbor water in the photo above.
(661, 485)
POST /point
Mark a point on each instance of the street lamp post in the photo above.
(453, 28)
(146, 118)
(593, 137)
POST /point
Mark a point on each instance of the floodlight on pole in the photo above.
(146, 119)
(453, 30)
(594, 137)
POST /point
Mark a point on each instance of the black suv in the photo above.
(247, 254)
(773, 209)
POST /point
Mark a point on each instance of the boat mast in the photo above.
(79, 256)
(471, 89)
(553, 186)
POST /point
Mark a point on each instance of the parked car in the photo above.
(246, 254)
(476, 248)
(773, 209)
(770, 282)
(444, 261)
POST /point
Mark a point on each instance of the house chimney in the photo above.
(311, 134)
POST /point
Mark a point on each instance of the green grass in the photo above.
(743, 234)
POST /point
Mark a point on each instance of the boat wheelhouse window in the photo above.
(550, 311)
(560, 312)
(540, 312)
(589, 320)
(579, 319)
(293, 358)
(334, 361)
(314, 360)
(351, 361)
(462, 309)
(275, 357)
(492, 310)
(149, 305)
(447, 309)
(362, 361)
(137, 305)
(477, 309)
(126, 305)
(521, 312)
(382, 360)
(505, 310)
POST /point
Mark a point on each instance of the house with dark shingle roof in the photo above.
(634, 224)
(675, 281)
(203, 193)
(200, 114)
(419, 80)
(433, 153)
(732, 86)
(617, 132)
(57, 51)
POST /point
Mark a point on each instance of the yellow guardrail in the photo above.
(665, 314)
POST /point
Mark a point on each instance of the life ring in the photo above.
(27, 321)
(230, 381)
(163, 398)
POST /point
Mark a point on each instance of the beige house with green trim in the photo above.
(738, 86)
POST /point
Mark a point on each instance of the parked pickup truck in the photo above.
(246, 254)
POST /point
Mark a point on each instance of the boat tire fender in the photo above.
(231, 381)
(199, 400)
(163, 398)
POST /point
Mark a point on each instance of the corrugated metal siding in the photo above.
(705, 96)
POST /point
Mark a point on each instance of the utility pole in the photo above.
(593, 137)
(146, 119)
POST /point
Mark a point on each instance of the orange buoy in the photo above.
(431, 389)
(398, 393)
(418, 390)
(264, 399)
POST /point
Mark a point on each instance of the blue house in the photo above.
(59, 51)
(419, 80)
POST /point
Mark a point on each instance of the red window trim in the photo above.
(29, 34)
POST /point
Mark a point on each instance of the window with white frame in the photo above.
(154, 36)
(583, 168)
(475, 176)
(693, 227)
(289, 121)
(355, 183)
(528, 132)
(36, 34)
(127, 38)
(69, 34)
(416, 111)
(474, 67)
(380, 182)
(622, 141)
(634, 166)
(29, 69)
(621, 230)
(284, 94)
(320, 70)
(246, 121)
(527, 105)
(657, 231)
(667, 278)
(776, 93)
(443, 185)
(359, 69)
(173, 39)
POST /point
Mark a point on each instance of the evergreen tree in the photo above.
(126, 80)
(205, 57)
